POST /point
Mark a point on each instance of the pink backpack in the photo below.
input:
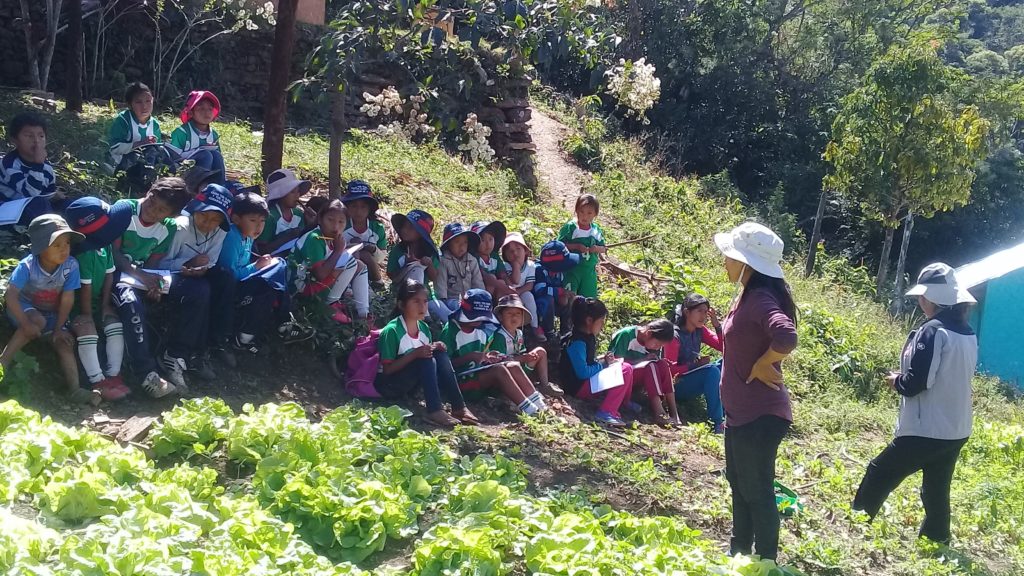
(362, 367)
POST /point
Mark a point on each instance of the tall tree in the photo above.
(275, 109)
(75, 63)
(40, 41)
(901, 145)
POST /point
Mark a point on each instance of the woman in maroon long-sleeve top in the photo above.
(759, 332)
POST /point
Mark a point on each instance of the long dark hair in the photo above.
(583, 308)
(777, 286)
(406, 291)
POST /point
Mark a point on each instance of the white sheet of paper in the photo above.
(284, 247)
(165, 285)
(610, 377)
(10, 211)
(273, 261)
(350, 252)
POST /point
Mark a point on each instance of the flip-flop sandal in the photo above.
(466, 417)
(446, 422)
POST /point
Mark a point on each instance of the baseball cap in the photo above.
(44, 230)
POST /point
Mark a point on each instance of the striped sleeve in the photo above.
(21, 180)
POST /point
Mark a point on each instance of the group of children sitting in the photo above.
(226, 266)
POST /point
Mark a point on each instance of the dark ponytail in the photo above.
(584, 308)
(777, 286)
(406, 291)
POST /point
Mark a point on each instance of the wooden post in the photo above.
(908, 227)
(276, 105)
(812, 250)
(75, 63)
(883, 261)
(338, 127)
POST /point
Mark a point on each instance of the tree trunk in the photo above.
(52, 24)
(883, 261)
(337, 137)
(277, 88)
(31, 46)
(812, 250)
(75, 62)
(908, 227)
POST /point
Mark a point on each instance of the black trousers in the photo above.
(750, 452)
(905, 455)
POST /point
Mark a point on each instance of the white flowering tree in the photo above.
(635, 87)
(398, 117)
(475, 143)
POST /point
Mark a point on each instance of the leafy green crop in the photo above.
(194, 427)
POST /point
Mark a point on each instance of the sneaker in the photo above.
(608, 419)
(339, 315)
(117, 383)
(292, 332)
(174, 368)
(251, 347)
(156, 386)
(551, 389)
(108, 390)
(225, 357)
(202, 367)
(633, 407)
(538, 333)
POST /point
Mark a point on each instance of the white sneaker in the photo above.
(175, 368)
(156, 386)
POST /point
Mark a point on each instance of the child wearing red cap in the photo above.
(196, 139)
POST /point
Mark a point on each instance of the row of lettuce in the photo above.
(296, 497)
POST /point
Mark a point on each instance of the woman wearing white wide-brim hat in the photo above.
(758, 333)
(934, 384)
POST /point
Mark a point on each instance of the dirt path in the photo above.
(563, 179)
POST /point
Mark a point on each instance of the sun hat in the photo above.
(495, 228)
(282, 182)
(194, 98)
(513, 301)
(556, 257)
(475, 306)
(99, 222)
(754, 245)
(422, 221)
(196, 177)
(938, 284)
(516, 238)
(44, 230)
(360, 190)
(456, 229)
(213, 198)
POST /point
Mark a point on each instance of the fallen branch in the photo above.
(621, 271)
(633, 241)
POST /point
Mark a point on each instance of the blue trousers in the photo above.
(704, 382)
(435, 375)
(211, 160)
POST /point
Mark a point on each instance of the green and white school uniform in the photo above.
(186, 140)
(507, 344)
(277, 224)
(139, 241)
(624, 344)
(93, 266)
(373, 235)
(491, 266)
(527, 274)
(394, 340)
(460, 343)
(126, 132)
(310, 248)
(583, 278)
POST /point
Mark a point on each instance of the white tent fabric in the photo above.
(991, 267)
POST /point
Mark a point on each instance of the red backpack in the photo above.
(362, 367)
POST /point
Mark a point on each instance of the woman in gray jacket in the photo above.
(934, 384)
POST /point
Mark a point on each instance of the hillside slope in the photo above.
(843, 413)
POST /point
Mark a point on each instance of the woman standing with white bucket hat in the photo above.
(758, 333)
(934, 384)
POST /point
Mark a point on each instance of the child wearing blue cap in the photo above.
(459, 271)
(101, 224)
(583, 236)
(194, 252)
(415, 255)
(478, 368)
(549, 288)
(364, 228)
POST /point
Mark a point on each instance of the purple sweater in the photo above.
(756, 324)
